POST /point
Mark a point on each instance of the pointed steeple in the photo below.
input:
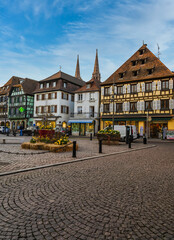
(77, 73)
(96, 73)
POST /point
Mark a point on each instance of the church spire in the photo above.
(77, 73)
(96, 73)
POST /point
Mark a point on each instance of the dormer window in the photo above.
(88, 85)
(143, 61)
(21, 81)
(134, 63)
(41, 85)
(121, 75)
(47, 85)
(54, 84)
(65, 85)
(135, 73)
(150, 71)
(142, 51)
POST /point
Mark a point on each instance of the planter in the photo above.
(109, 139)
(46, 133)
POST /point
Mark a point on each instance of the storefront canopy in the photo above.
(80, 121)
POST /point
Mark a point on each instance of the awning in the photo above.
(80, 121)
(161, 118)
(124, 119)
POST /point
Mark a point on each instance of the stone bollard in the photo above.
(90, 136)
(100, 146)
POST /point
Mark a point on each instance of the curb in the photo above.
(73, 161)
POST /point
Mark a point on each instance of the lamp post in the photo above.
(112, 100)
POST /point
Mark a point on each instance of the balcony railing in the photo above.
(16, 115)
(16, 104)
(81, 115)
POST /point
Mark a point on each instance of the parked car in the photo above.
(27, 132)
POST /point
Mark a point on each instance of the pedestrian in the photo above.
(164, 132)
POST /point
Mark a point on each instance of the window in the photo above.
(106, 108)
(52, 108)
(92, 96)
(165, 85)
(107, 91)
(119, 107)
(148, 105)
(80, 97)
(79, 110)
(54, 84)
(142, 51)
(134, 63)
(148, 87)
(150, 71)
(120, 90)
(20, 99)
(72, 98)
(143, 61)
(88, 85)
(41, 85)
(53, 95)
(47, 85)
(65, 85)
(91, 111)
(165, 104)
(65, 96)
(134, 88)
(133, 106)
(134, 73)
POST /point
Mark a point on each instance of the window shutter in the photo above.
(115, 89)
(142, 106)
(61, 109)
(43, 96)
(67, 97)
(101, 108)
(67, 110)
(128, 106)
(49, 95)
(143, 87)
(159, 85)
(124, 89)
(55, 108)
(115, 107)
(110, 90)
(158, 105)
(138, 106)
(48, 109)
(171, 84)
(102, 91)
(128, 88)
(55, 95)
(171, 104)
(37, 97)
(138, 87)
(111, 107)
(153, 86)
(42, 109)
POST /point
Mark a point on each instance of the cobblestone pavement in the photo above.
(22, 158)
(125, 196)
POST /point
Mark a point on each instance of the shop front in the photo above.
(82, 127)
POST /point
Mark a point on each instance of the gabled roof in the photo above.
(159, 70)
(5, 89)
(95, 86)
(65, 76)
(28, 85)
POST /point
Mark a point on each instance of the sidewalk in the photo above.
(13, 158)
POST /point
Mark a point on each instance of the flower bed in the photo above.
(59, 144)
(109, 136)
(46, 133)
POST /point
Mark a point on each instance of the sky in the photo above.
(39, 36)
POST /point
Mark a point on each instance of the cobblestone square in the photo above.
(123, 196)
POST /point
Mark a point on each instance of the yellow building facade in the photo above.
(140, 93)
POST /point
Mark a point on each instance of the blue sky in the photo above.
(37, 36)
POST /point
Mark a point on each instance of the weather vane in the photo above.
(60, 67)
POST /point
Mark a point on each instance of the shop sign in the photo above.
(170, 134)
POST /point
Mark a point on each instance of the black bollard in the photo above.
(100, 146)
(130, 140)
(74, 149)
(144, 140)
(91, 136)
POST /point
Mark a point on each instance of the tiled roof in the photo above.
(95, 86)
(65, 76)
(159, 70)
